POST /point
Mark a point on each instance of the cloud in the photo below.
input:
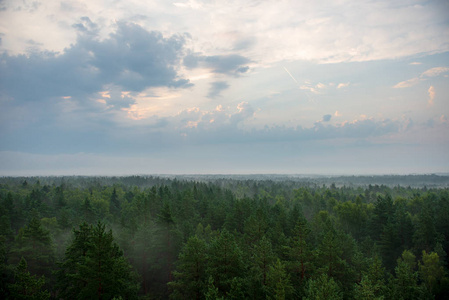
(326, 118)
(407, 83)
(433, 72)
(431, 92)
(67, 91)
(223, 64)
(326, 32)
(86, 26)
(114, 98)
(337, 113)
(216, 88)
(320, 87)
(313, 88)
(130, 58)
(222, 126)
(244, 43)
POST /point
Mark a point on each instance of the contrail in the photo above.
(291, 75)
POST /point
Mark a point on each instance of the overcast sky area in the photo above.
(100, 87)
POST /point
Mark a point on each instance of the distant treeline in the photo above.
(224, 237)
(417, 181)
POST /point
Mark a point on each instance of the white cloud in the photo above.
(407, 83)
(222, 39)
(434, 72)
(267, 31)
(431, 92)
(320, 85)
(316, 89)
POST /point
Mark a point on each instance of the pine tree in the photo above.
(278, 282)
(190, 274)
(405, 283)
(383, 214)
(299, 250)
(323, 288)
(27, 286)
(263, 257)
(225, 261)
(69, 280)
(94, 267)
(430, 270)
(329, 256)
(115, 205)
(372, 284)
(425, 234)
(212, 291)
(34, 244)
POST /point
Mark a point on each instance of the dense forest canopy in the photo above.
(224, 237)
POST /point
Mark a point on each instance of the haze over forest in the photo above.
(224, 87)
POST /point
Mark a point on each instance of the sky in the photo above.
(119, 87)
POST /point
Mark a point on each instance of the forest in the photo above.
(224, 237)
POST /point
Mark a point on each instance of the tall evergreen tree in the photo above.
(27, 286)
(35, 245)
(299, 252)
(405, 283)
(430, 270)
(323, 288)
(225, 261)
(190, 275)
(278, 285)
(94, 267)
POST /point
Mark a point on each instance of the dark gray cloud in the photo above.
(86, 26)
(229, 132)
(117, 100)
(223, 64)
(244, 43)
(50, 100)
(216, 88)
(326, 118)
(131, 58)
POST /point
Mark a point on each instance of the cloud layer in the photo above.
(131, 58)
(433, 72)
(224, 83)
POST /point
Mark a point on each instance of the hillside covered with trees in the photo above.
(143, 237)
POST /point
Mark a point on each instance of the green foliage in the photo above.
(278, 284)
(405, 284)
(430, 270)
(323, 288)
(212, 291)
(94, 267)
(27, 286)
(190, 275)
(263, 256)
(425, 234)
(372, 285)
(225, 261)
(34, 244)
(224, 238)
